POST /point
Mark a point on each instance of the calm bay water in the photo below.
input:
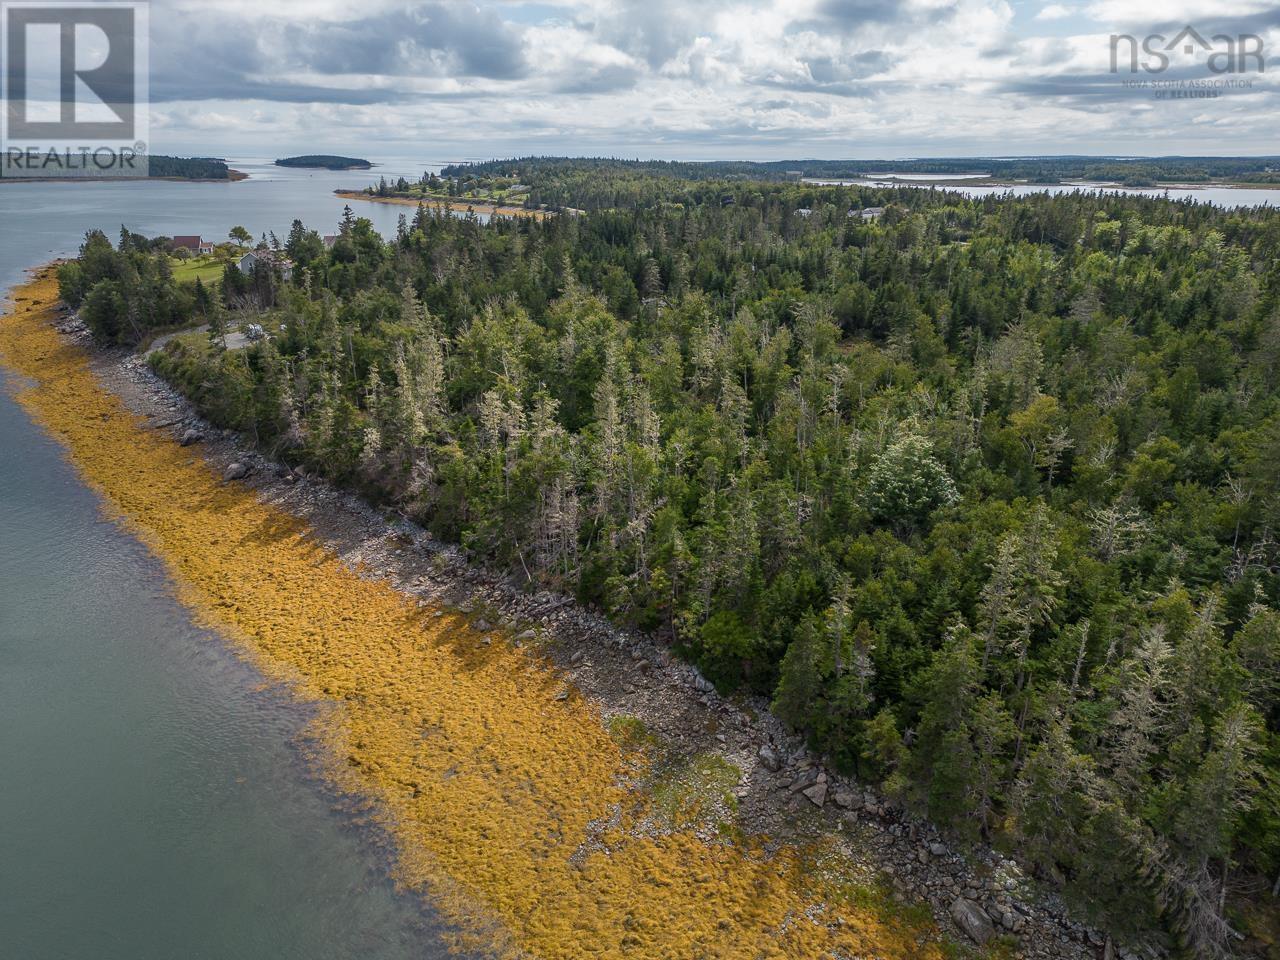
(153, 803)
(49, 219)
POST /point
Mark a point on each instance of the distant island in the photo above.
(321, 161)
(191, 168)
(160, 167)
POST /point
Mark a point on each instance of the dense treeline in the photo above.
(1131, 171)
(982, 493)
(325, 161)
(601, 185)
(529, 168)
(187, 168)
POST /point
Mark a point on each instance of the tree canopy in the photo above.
(981, 494)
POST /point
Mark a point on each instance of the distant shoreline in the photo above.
(457, 206)
(906, 180)
(233, 176)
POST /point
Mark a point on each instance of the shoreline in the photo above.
(456, 206)
(518, 691)
(307, 166)
(233, 176)
(1090, 185)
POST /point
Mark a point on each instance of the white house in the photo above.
(267, 258)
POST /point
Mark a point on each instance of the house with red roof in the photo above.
(195, 244)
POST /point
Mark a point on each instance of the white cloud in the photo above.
(1055, 11)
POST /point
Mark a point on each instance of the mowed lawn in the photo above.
(208, 269)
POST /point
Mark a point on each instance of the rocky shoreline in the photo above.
(783, 791)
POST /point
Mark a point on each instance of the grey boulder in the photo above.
(769, 758)
(817, 794)
(970, 918)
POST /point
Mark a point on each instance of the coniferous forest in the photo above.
(982, 495)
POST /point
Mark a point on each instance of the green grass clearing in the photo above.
(207, 269)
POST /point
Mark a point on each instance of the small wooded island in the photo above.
(159, 167)
(325, 162)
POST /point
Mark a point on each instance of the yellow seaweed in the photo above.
(490, 786)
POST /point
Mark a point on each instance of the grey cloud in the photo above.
(1216, 22)
(1037, 58)
(606, 79)
(808, 108)
(1094, 89)
(754, 136)
(836, 76)
(464, 39)
(1090, 90)
(1001, 51)
(846, 16)
(854, 89)
(862, 11)
(656, 30)
(215, 57)
(826, 70)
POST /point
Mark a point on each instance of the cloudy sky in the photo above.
(752, 79)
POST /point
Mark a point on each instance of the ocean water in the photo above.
(49, 219)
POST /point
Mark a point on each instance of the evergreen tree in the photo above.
(217, 328)
(800, 678)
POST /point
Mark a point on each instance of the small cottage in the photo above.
(195, 244)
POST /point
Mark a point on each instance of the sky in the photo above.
(706, 79)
